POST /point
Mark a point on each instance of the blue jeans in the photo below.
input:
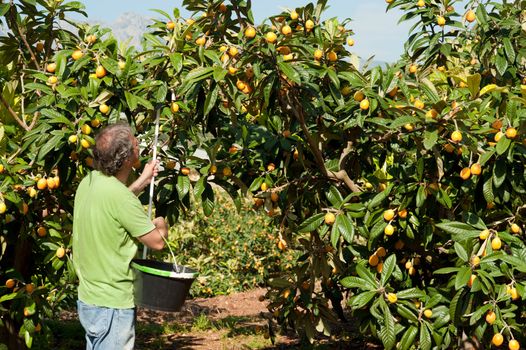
(107, 328)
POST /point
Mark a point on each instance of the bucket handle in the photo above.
(152, 185)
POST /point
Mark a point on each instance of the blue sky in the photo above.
(376, 32)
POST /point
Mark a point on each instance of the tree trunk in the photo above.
(9, 335)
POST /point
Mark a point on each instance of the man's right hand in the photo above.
(155, 238)
(161, 225)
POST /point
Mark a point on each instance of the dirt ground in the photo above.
(237, 321)
(241, 318)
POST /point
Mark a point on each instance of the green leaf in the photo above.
(361, 300)
(131, 100)
(474, 84)
(425, 337)
(408, 338)
(346, 226)
(28, 338)
(145, 103)
(279, 283)
(475, 221)
(110, 65)
(430, 139)
(10, 296)
(311, 223)
(516, 262)
(435, 300)
(4, 8)
(198, 74)
(446, 270)
(376, 231)
(411, 293)
(177, 61)
(208, 200)
(430, 90)
(443, 198)
(420, 196)
(290, 72)
(199, 186)
(508, 49)
(406, 313)
(211, 99)
(161, 12)
(160, 94)
(103, 97)
(487, 190)
(461, 252)
(456, 306)
(459, 230)
(499, 172)
(379, 198)
(502, 145)
(477, 315)
(335, 233)
(182, 186)
(364, 273)
(354, 282)
(80, 63)
(334, 78)
(403, 120)
(387, 271)
(55, 117)
(501, 63)
(462, 278)
(36, 86)
(54, 143)
(256, 184)
(387, 332)
(334, 196)
(219, 74)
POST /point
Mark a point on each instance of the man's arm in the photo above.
(149, 172)
(154, 238)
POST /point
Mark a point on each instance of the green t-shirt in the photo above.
(105, 218)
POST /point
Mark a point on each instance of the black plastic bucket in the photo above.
(161, 286)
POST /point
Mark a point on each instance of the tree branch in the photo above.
(22, 36)
(240, 18)
(343, 176)
(340, 175)
(298, 113)
(13, 114)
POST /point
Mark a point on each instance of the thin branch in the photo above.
(13, 156)
(343, 176)
(298, 113)
(240, 19)
(339, 175)
(22, 100)
(22, 36)
(13, 114)
(34, 120)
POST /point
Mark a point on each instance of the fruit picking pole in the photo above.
(152, 183)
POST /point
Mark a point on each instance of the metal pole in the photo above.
(152, 183)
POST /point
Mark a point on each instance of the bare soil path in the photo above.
(237, 321)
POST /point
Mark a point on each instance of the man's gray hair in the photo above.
(113, 146)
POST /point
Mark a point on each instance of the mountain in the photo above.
(129, 26)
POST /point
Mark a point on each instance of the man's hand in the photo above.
(151, 169)
(155, 238)
(160, 224)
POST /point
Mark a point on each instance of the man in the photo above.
(107, 218)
